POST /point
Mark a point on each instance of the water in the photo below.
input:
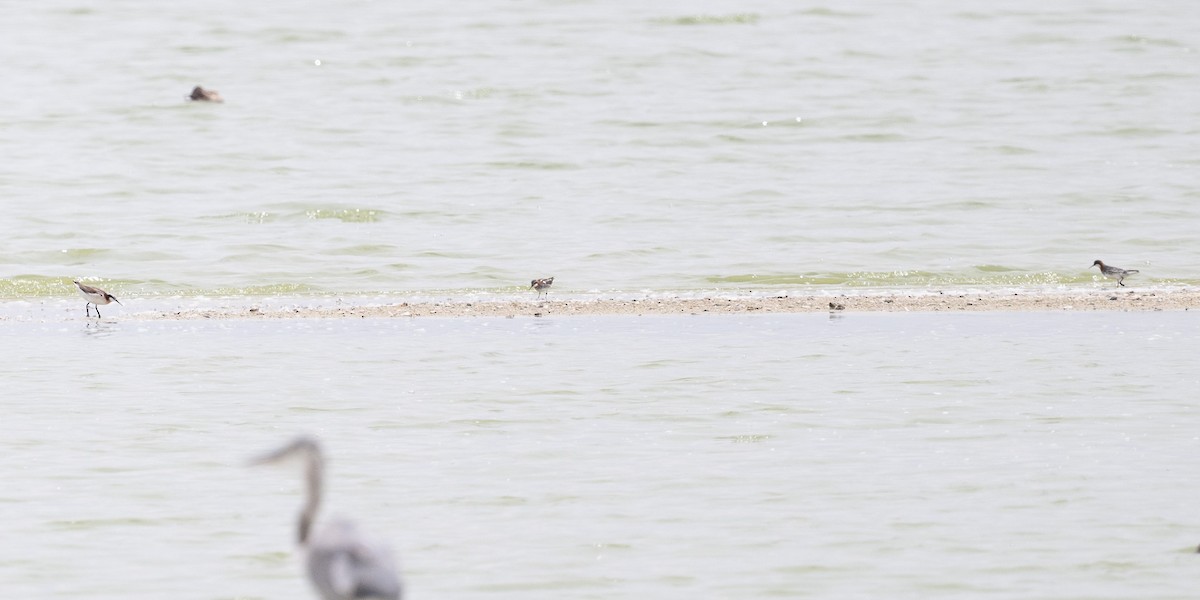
(383, 150)
(1000, 455)
(383, 147)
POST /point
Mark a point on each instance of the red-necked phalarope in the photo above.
(94, 295)
(1114, 272)
(541, 285)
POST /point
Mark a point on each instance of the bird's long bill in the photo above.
(263, 459)
(114, 299)
(269, 458)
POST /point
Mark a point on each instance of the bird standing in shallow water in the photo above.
(541, 284)
(95, 296)
(341, 563)
(1113, 272)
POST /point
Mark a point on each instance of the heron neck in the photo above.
(312, 503)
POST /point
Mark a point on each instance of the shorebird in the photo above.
(202, 95)
(341, 563)
(1114, 272)
(541, 285)
(94, 295)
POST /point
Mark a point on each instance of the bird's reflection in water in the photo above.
(100, 328)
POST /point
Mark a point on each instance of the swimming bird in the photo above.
(341, 563)
(202, 95)
(1113, 272)
(541, 284)
(95, 296)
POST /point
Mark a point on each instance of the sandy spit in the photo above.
(984, 301)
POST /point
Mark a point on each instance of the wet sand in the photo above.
(977, 301)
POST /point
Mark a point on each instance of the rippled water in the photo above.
(911, 456)
(372, 149)
(387, 147)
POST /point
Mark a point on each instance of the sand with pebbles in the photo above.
(979, 301)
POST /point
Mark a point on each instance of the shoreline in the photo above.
(890, 302)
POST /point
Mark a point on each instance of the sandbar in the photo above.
(1180, 299)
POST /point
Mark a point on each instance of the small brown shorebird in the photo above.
(1113, 272)
(202, 95)
(541, 285)
(94, 295)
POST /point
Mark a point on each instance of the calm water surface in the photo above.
(906, 456)
(374, 149)
(397, 147)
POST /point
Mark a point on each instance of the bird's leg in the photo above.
(1120, 283)
(97, 312)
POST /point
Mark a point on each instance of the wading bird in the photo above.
(341, 563)
(541, 285)
(1113, 272)
(94, 295)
